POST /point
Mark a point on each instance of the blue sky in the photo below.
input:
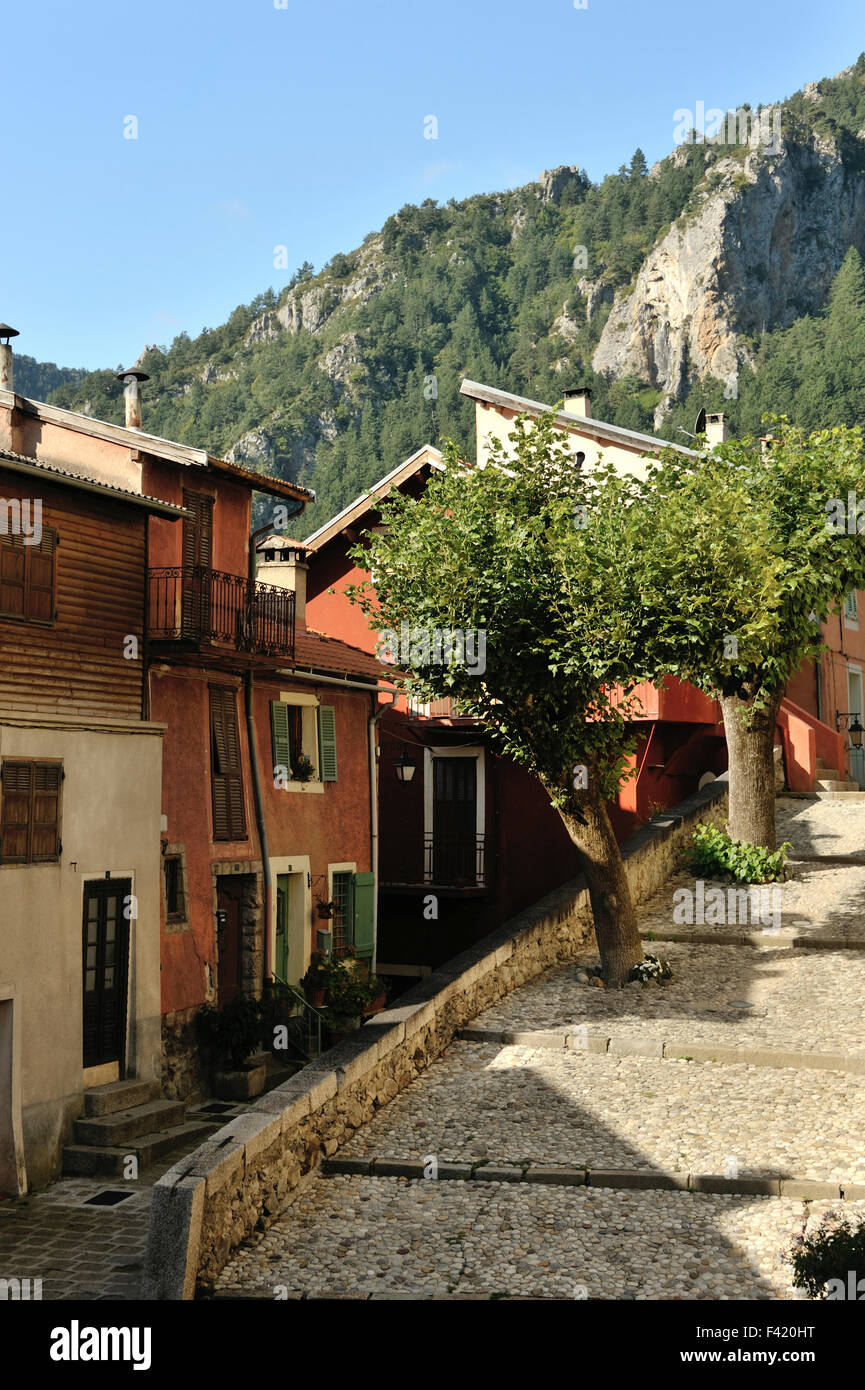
(303, 127)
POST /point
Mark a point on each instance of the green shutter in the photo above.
(364, 914)
(327, 743)
(279, 730)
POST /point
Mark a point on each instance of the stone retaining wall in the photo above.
(242, 1178)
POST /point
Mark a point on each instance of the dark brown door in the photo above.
(454, 820)
(228, 917)
(106, 961)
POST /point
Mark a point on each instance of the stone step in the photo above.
(119, 1095)
(841, 796)
(85, 1160)
(826, 784)
(125, 1125)
(831, 772)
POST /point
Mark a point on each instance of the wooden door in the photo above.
(282, 913)
(105, 971)
(454, 820)
(228, 920)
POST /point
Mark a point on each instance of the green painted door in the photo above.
(281, 961)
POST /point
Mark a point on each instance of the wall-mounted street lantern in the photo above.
(404, 766)
(850, 722)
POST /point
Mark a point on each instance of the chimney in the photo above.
(6, 356)
(716, 429)
(281, 563)
(132, 391)
(578, 401)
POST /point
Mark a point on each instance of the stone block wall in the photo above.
(242, 1178)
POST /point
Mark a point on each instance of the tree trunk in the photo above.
(616, 930)
(750, 747)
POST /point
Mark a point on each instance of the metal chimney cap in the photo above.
(125, 374)
(7, 332)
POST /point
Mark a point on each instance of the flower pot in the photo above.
(315, 995)
(376, 1005)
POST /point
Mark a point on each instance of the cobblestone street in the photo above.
(562, 1122)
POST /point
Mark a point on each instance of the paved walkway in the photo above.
(78, 1250)
(560, 1149)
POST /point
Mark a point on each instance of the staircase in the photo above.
(830, 786)
(123, 1119)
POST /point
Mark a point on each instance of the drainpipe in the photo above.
(259, 816)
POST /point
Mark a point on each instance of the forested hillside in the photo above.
(337, 377)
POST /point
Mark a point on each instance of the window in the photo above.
(353, 913)
(30, 817)
(175, 897)
(226, 770)
(851, 607)
(27, 577)
(304, 740)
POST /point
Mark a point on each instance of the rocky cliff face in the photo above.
(768, 234)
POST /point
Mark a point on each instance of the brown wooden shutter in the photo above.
(27, 577)
(17, 785)
(13, 576)
(30, 825)
(198, 531)
(45, 820)
(40, 580)
(229, 815)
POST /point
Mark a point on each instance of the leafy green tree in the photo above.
(735, 557)
(528, 552)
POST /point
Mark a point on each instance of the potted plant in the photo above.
(230, 1037)
(325, 909)
(302, 768)
(347, 998)
(378, 993)
(315, 980)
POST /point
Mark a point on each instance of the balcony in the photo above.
(191, 603)
(454, 861)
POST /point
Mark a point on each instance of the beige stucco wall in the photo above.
(492, 423)
(111, 808)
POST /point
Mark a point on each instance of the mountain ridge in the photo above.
(663, 289)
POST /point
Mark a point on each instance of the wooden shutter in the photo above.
(364, 914)
(27, 577)
(13, 576)
(45, 836)
(226, 776)
(279, 732)
(40, 578)
(17, 788)
(198, 530)
(327, 743)
(30, 826)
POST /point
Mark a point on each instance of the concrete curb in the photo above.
(756, 940)
(617, 1179)
(629, 1045)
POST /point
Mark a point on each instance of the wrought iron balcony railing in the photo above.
(453, 860)
(195, 603)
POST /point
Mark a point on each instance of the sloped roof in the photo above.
(166, 449)
(313, 651)
(597, 429)
(20, 463)
(426, 455)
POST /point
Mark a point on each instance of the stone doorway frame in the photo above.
(251, 921)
